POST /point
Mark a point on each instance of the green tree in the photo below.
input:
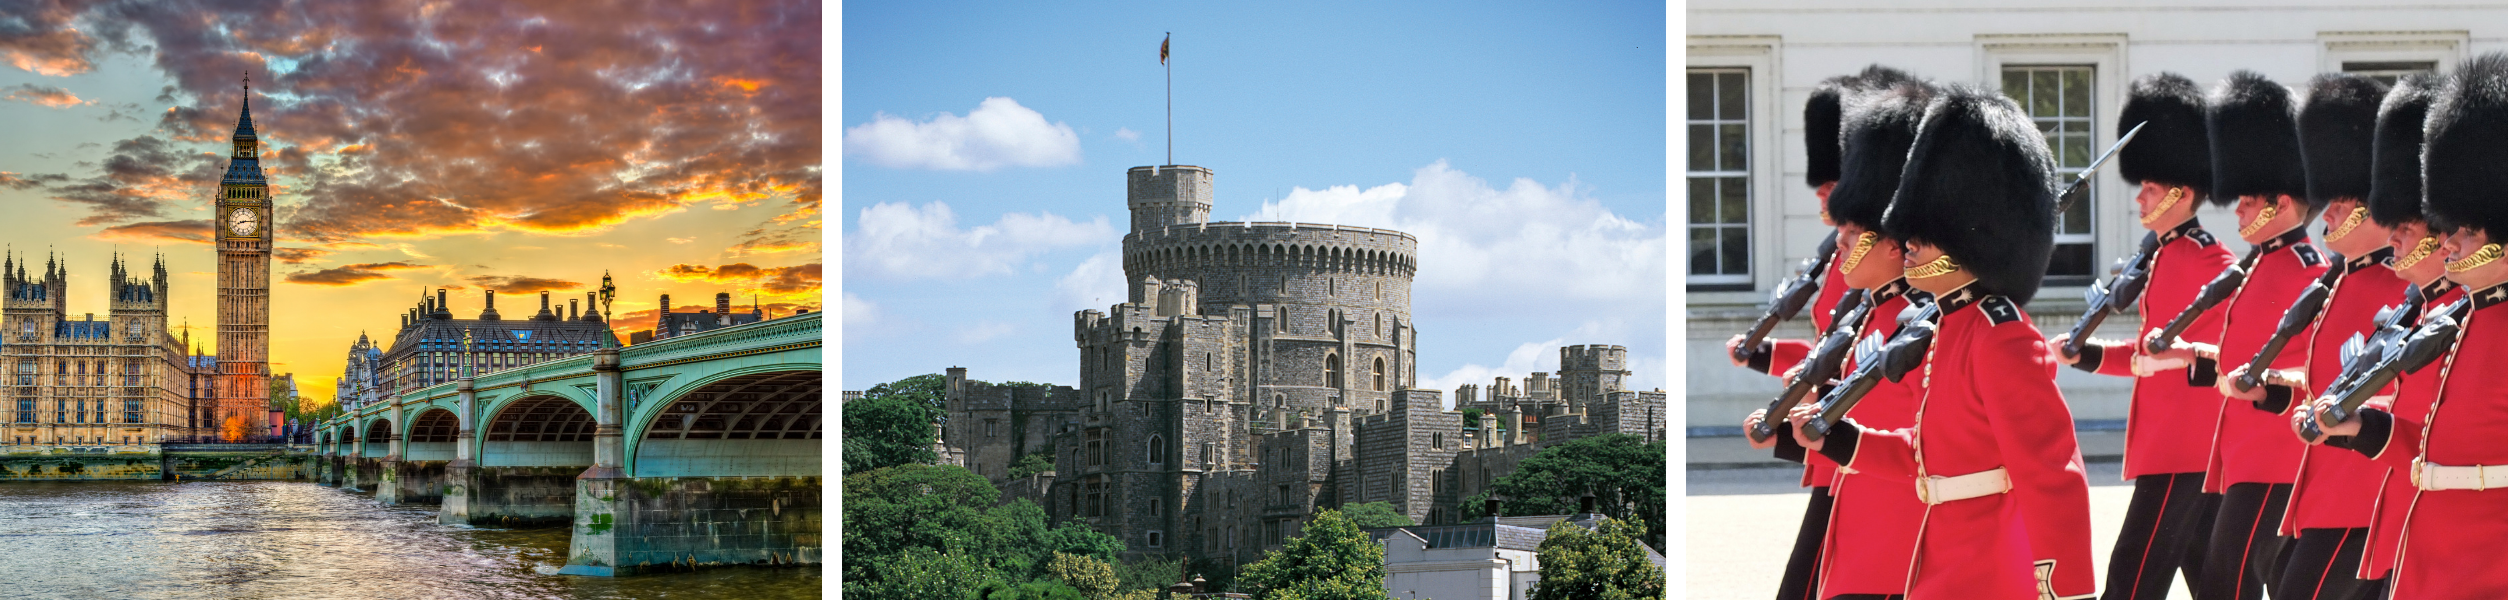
(952, 511)
(1332, 560)
(1605, 564)
(1033, 590)
(1150, 573)
(1624, 474)
(1376, 514)
(919, 574)
(892, 424)
(1030, 465)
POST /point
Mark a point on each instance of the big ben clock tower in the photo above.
(242, 406)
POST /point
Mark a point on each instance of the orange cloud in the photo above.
(519, 284)
(297, 255)
(350, 274)
(43, 95)
(796, 279)
(179, 232)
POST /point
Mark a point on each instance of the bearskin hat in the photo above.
(2466, 145)
(2395, 166)
(2173, 148)
(1977, 186)
(1823, 117)
(2337, 128)
(1880, 127)
(2255, 140)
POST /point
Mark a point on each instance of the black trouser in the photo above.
(1802, 570)
(2324, 564)
(2246, 552)
(2165, 531)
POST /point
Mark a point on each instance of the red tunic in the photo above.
(2410, 407)
(2250, 445)
(2168, 426)
(2451, 538)
(1987, 400)
(2337, 488)
(1872, 528)
(1785, 354)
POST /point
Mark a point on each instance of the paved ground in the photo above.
(1741, 520)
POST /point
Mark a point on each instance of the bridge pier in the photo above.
(635, 525)
(458, 473)
(387, 485)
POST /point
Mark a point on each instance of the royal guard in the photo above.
(1822, 120)
(1991, 451)
(2255, 159)
(2454, 459)
(2395, 204)
(1872, 528)
(2333, 494)
(2168, 427)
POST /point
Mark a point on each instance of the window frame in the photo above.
(1749, 173)
(2112, 228)
(1784, 216)
(2446, 48)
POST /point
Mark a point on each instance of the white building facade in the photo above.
(1752, 64)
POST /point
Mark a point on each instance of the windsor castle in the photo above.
(1258, 373)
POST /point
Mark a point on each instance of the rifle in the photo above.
(2132, 275)
(1789, 298)
(1823, 364)
(1875, 360)
(2213, 293)
(2394, 357)
(2301, 314)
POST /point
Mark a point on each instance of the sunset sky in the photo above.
(985, 146)
(411, 145)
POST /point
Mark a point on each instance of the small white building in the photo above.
(1473, 561)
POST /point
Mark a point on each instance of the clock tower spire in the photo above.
(242, 407)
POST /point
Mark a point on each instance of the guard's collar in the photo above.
(1893, 289)
(2430, 293)
(2383, 256)
(2294, 237)
(1959, 298)
(2490, 296)
(2187, 228)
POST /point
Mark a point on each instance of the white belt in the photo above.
(1938, 489)
(2434, 478)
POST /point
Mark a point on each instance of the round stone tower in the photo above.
(1168, 195)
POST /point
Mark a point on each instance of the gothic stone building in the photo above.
(1259, 372)
(428, 348)
(85, 382)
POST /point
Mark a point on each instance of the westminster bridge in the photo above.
(694, 450)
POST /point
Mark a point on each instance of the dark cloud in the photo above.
(138, 178)
(519, 284)
(764, 240)
(298, 255)
(37, 36)
(796, 279)
(43, 95)
(350, 274)
(416, 118)
(181, 232)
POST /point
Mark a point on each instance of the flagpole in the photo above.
(1171, 97)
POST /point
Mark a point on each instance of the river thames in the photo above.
(273, 539)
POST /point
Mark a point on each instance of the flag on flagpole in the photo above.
(1162, 50)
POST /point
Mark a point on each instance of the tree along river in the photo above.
(275, 539)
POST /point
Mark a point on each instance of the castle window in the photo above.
(1094, 493)
(1209, 363)
(1332, 371)
(1380, 373)
(1157, 539)
(988, 427)
(1157, 450)
(1437, 441)
(1206, 453)
(1158, 507)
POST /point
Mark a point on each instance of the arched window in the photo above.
(1380, 373)
(1157, 450)
(1332, 371)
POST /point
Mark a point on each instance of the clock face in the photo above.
(243, 222)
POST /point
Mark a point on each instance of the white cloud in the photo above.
(1527, 241)
(902, 241)
(979, 331)
(997, 133)
(1525, 359)
(1095, 284)
(859, 312)
(1127, 134)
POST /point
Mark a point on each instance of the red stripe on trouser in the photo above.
(2330, 559)
(2144, 565)
(2249, 551)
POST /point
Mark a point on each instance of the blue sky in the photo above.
(985, 145)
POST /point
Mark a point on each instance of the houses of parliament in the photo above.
(128, 378)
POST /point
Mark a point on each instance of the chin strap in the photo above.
(2420, 251)
(2174, 194)
(2487, 254)
(2261, 217)
(1863, 244)
(2349, 223)
(1937, 268)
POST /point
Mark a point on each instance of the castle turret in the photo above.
(1168, 195)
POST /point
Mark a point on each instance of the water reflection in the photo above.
(269, 539)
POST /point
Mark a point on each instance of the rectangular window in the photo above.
(988, 428)
(1719, 178)
(2389, 71)
(130, 411)
(2060, 99)
(25, 411)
